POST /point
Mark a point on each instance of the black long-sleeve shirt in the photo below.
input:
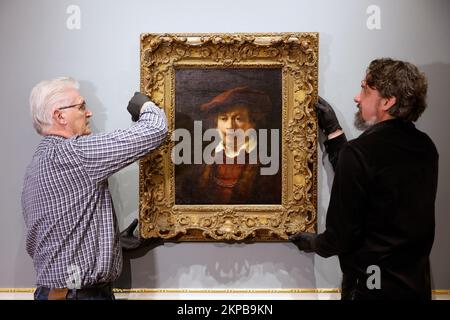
(381, 210)
(333, 146)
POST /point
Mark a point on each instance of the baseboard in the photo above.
(211, 294)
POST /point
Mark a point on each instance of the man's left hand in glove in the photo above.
(135, 105)
(129, 241)
(304, 241)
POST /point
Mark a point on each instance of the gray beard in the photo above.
(359, 122)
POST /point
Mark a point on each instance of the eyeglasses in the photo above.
(81, 106)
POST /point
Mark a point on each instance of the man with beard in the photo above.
(380, 220)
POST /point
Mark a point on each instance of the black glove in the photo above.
(129, 241)
(135, 105)
(328, 121)
(304, 241)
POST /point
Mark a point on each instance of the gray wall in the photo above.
(35, 44)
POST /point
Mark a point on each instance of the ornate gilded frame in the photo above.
(297, 56)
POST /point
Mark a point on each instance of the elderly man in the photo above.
(72, 232)
(380, 220)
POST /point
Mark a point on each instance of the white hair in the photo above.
(45, 97)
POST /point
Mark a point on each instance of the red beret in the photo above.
(255, 100)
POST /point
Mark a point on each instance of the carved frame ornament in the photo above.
(296, 54)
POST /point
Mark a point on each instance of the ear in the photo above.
(388, 103)
(58, 117)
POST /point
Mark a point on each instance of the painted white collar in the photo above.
(248, 146)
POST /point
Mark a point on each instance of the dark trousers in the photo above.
(102, 291)
(348, 286)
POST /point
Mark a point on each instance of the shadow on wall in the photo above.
(435, 122)
(126, 277)
(219, 265)
(124, 186)
(99, 114)
(24, 274)
(324, 62)
(435, 119)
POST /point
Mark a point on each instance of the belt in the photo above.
(101, 291)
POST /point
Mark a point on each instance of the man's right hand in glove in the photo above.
(328, 121)
(135, 105)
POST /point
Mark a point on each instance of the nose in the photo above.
(230, 124)
(88, 113)
(233, 124)
(357, 98)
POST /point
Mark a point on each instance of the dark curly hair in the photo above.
(402, 80)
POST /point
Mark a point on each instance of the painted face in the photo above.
(233, 118)
(77, 116)
(369, 103)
